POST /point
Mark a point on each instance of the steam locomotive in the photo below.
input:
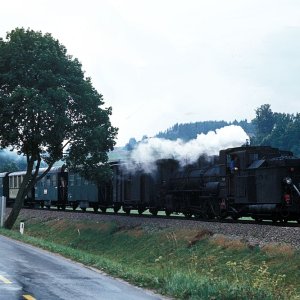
(254, 181)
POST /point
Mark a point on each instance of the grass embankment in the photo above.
(185, 264)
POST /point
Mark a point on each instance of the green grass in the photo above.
(185, 264)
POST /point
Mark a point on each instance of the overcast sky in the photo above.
(161, 62)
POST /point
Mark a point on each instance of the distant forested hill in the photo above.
(10, 162)
(189, 131)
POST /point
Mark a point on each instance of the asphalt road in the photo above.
(29, 273)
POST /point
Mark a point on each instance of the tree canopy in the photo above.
(277, 129)
(49, 110)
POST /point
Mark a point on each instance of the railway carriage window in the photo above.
(77, 180)
(11, 182)
(228, 161)
(80, 180)
(48, 180)
(71, 180)
(74, 180)
(20, 179)
(15, 181)
(54, 180)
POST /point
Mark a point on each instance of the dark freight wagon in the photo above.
(85, 193)
(137, 192)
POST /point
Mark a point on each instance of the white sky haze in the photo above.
(163, 62)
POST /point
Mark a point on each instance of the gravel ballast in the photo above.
(254, 234)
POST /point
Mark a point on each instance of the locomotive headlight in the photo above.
(287, 180)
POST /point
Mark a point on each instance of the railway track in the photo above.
(148, 215)
(255, 234)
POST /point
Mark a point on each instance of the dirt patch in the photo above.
(278, 249)
(134, 231)
(191, 236)
(58, 224)
(199, 236)
(228, 243)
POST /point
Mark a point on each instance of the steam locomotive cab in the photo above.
(261, 182)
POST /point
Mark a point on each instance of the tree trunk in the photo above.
(10, 221)
(26, 185)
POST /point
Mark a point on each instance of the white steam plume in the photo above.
(146, 153)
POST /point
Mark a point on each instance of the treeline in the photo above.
(189, 131)
(11, 162)
(268, 128)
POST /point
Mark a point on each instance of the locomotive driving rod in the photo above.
(288, 181)
(296, 190)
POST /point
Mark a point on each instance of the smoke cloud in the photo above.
(153, 149)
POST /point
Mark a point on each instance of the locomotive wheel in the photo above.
(83, 209)
(127, 211)
(168, 213)
(223, 215)
(207, 211)
(116, 209)
(95, 208)
(188, 215)
(140, 211)
(103, 209)
(74, 206)
(153, 212)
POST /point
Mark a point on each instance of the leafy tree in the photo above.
(131, 144)
(49, 110)
(264, 123)
(277, 129)
(292, 134)
(277, 137)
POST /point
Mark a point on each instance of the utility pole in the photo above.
(2, 210)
